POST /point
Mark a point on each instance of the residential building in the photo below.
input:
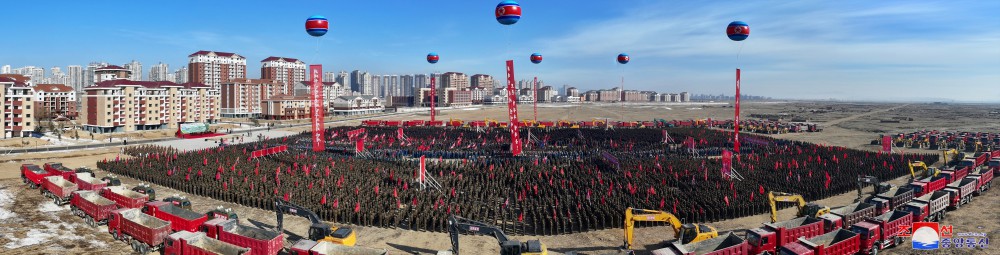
(213, 68)
(90, 74)
(356, 80)
(74, 74)
(111, 72)
(685, 97)
(406, 82)
(125, 105)
(17, 101)
(481, 81)
(54, 101)
(241, 98)
(572, 92)
(285, 72)
(633, 96)
(354, 105)
(457, 98)
(135, 68)
(329, 77)
(479, 94)
(454, 80)
(609, 95)
(5, 69)
(344, 79)
(181, 76)
(331, 90)
(545, 94)
(285, 107)
(159, 72)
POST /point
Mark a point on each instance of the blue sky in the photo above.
(852, 50)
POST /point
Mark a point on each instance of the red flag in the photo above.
(761, 189)
(827, 183)
(727, 200)
(323, 201)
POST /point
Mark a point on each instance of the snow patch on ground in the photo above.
(471, 109)
(50, 207)
(6, 199)
(34, 237)
(98, 244)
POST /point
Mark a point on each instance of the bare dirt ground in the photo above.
(853, 125)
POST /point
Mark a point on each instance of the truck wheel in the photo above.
(143, 248)
(874, 251)
(91, 222)
(135, 247)
(55, 200)
(114, 235)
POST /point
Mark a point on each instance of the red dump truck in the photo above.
(260, 241)
(92, 207)
(180, 219)
(58, 189)
(58, 169)
(928, 185)
(961, 192)
(730, 244)
(124, 197)
(840, 242)
(310, 247)
(881, 232)
(889, 200)
(32, 175)
(847, 216)
(773, 235)
(88, 182)
(984, 179)
(143, 232)
(930, 207)
(196, 243)
(955, 174)
(995, 166)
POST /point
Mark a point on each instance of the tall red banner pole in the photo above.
(433, 95)
(316, 107)
(536, 98)
(736, 124)
(515, 141)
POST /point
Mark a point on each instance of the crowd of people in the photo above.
(568, 180)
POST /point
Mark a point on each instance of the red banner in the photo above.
(887, 144)
(268, 151)
(727, 163)
(515, 140)
(399, 134)
(534, 94)
(359, 146)
(316, 106)
(736, 125)
(433, 96)
(423, 168)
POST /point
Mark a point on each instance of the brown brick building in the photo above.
(124, 105)
(55, 101)
(215, 68)
(18, 116)
(285, 72)
(285, 107)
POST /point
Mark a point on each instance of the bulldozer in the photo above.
(457, 225)
(318, 231)
(927, 171)
(805, 209)
(686, 233)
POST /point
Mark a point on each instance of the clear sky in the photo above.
(861, 50)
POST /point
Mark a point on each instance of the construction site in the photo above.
(807, 178)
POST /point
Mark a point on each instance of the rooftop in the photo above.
(146, 84)
(53, 88)
(111, 67)
(217, 53)
(273, 58)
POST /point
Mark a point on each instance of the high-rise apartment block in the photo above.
(213, 68)
(285, 72)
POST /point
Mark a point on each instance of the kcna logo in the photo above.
(931, 236)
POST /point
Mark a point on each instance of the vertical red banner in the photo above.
(316, 106)
(727, 163)
(423, 169)
(736, 124)
(515, 139)
(535, 94)
(433, 96)
(886, 144)
(359, 146)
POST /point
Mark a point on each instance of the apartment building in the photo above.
(18, 119)
(55, 101)
(214, 68)
(125, 105)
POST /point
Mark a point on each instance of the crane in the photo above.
(928, 171)
(805, 209)
(874, 181)
(687, 233)
(458, 224)
(318, 231)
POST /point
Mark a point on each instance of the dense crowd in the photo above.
(568, 180)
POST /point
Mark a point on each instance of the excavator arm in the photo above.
(458, 225)
(318, 231)
(687, 233)
(805, 209)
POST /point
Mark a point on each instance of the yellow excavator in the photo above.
(318, 230)
(927, 171)
(805, 209)
(687, 233)
(953, 153)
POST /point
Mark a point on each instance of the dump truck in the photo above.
(310, 247)
(180, 219)
(955, 174)
(197, 243)
(847, 216)
(984, 180)
(32, 175)
(840, 242)
(125, 198)
(928, 185)
(58, 169)
(58, 189)
(995, 166)
(92, 207)
(222, 213)
(773, 235)
(889, 200)
(87, 182)
(145, 189)
(961, 192)
(728, 244)
(145, 233)
(930, 207)
(882, 232)
(260, 241)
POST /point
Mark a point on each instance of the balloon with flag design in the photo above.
(623, 58)
(317, 25)
(508, 12)
(536, 58)
(433, 58)
(738, 31)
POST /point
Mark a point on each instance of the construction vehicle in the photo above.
(984, 177)
(878, 233)
(180, 219)
(318, 231)
(867, 179)
(179, 201)
(847, 215)
(839, 242)
(458, 224)
(92, 207)
(145, 233)
(310, 247)
(805, 209)
(88, 182)
(112, 180)
(961, 192)
(930, 207)
(124, 198)
(143, 188)
(771, 236)
(953, 153)
(197, 243)
(895, 197)
(260, 241)
(729, 244)
(32, 175)
(686, 233)
(60, 190)
(927, 171)
(58, 169)
(222, 213)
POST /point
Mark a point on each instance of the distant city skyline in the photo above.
(847, 50)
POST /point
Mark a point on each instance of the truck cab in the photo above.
(761, 240)
(143, 188)
(831, 222)
(868, 233)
